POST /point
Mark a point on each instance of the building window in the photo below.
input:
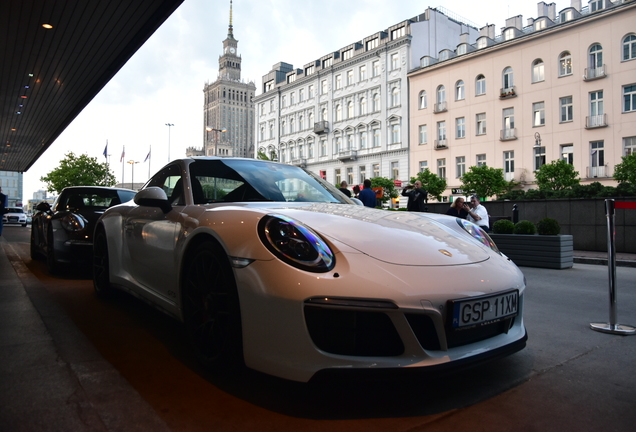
(363, 72)
(460, 127)
(441, 94)
(338, 82)
(539, 157)
(375, 67)
(481, 124)
(596, 108)
(629, 98)
(441, 132)
(363, 106)
(507, 78)
(398, 33)
(509, 165)
(362, 173)
(395, 96)
(566, 15)
(565, 64)
(301, 123)
(376, 137)
(372, 44)
(338, 176)
(459, 90)
(310, 70)
(423, 134)
(629, 47)
(538, 114)
(629, 145)
(338, 112)
(291, 125)
(423, 166)
(337, 145)
(311, 92)
(284, 101)
(323, 147)
(460, 162)
(347, 54)
(350, 110)
(423, 100)
(509, 33)
(324, 114)
(323, 87)
(292, 98)
(596, 5)
(363, 139)
(566, 109)
(395, 133)
(480, 85)
(567, 153)
(596, 59)
(395, 61)
(376, 170)
(395, 170)
(441, 168)
(271, 130)
(376, 102)
(538, 71)
(482, 42)
(327, 62)
(540, 25)
(481, 160)
(462, 49)
(597, 159)
(349, 140)
(349, 77)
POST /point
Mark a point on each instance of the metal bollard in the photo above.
(515, 214)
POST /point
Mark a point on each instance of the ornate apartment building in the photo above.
(345, 115)
(561, 87)
(228, 109)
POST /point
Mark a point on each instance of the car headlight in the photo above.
(295, 244)
(73, 222)
(478, 234)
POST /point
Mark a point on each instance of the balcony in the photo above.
(508, 134)
(507, 93)
(347, 155)
(440, 107)
(602, 171)
(321, 127)
(594, 73)
(441, 144)
(597, 121)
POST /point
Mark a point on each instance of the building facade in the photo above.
(228, 109)
(562, 87)
(11, 183)
(345, 116)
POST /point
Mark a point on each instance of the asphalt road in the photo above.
(567, 378)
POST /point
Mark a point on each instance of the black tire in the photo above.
(211, 307)
(101, 264)
(51, 262)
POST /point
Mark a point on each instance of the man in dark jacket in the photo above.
(418, 197)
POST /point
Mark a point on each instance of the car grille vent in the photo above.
(424, 329)
(353, 332)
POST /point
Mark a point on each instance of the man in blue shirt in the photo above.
(367, 195)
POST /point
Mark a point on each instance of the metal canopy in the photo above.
(47, 76)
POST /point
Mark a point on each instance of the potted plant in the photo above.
(533, 245)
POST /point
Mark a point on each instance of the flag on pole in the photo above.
(106, 150)
(123, 153)
(148, 155)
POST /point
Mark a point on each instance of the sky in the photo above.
(163, 82)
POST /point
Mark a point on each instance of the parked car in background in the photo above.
(15, 215)
(268, 265)
(63, 233)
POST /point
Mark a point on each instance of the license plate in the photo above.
(484, 310)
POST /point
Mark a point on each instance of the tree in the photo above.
(432, 183)
(484, 181)
(625, 172)
(556, 175)
(78, 171)
(387, 185)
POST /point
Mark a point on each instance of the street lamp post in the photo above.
(169, 126)
(216, 137)
(132, 181)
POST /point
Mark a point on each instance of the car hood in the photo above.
(397, 237)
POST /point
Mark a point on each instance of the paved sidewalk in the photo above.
(51, 377)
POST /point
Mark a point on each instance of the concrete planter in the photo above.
(547, 251)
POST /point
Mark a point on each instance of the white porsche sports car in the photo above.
(268, 264)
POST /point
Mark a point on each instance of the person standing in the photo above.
(458, 208)
(367, 195)
(344, 190)
(478, 214)
(356, 191)
(3, 207)
(418, 197)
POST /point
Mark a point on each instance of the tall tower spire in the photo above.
(230, 32)
(230, 61)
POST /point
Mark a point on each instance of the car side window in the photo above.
(169, 179)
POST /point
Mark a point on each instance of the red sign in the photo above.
(379, 192)
(625, 205)
(397, 183)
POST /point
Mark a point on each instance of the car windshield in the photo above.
(92, 199)
(233, 180)
(15, 210)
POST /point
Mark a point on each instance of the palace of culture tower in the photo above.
(228, 109)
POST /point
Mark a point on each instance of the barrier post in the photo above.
(612, 327)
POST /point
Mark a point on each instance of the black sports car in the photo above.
(63, 233)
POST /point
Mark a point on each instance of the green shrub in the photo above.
(525, 227)
(548, 226)
(503, 226)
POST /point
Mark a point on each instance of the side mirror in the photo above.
(357, 201)
(153, 197)
(43, 207)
